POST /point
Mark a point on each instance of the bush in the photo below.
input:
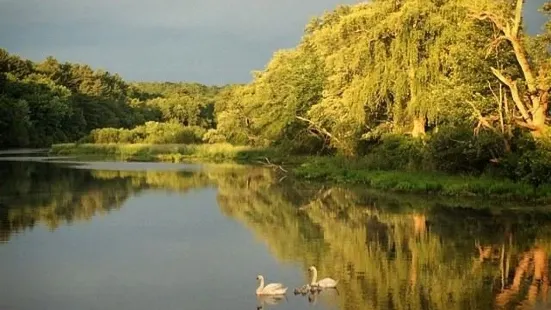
(151, 132)
(213, 136)
(396, 152)
(460, 151)
(530, 163)
(105, 135)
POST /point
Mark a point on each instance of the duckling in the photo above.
(315, 289)
(303, 290)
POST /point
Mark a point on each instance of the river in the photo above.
(113, 235)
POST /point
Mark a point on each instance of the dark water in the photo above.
(154, 236)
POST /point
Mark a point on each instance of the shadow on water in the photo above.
(387, 251)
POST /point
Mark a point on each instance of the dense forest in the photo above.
(459, 82)
(52, 102)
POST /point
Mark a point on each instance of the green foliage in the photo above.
(396, 152)
(360, 172)
(219, 152)
(457, 150)
(150, 133)
(191, 104)
(391, 85)
(531, 162)
(51, 102)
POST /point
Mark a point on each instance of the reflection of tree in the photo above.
(386, 252)
(389, 254)
(53, 195)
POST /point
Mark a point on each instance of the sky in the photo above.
(207, 41)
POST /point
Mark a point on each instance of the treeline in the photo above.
(52, 102)
(454, 85)
(449, 85)
(399, 67)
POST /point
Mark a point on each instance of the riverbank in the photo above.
(316, 169)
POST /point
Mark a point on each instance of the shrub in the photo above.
(213, 136)
(151, 132)
(459, 150)
(531, 163)
(396, 152)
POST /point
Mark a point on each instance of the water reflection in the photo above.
(386, 251)
(268, 300)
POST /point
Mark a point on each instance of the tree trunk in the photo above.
(532, 103)
(539, 119)
(419, 124)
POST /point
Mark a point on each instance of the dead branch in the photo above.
(495, 44)
(526, 125)
(482, 121)
(268, 163)
(483, 16)
(321, 129)
(518, 18)
(512, 85)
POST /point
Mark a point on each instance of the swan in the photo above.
(270, 289)
(323, 283)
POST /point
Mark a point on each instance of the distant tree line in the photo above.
(52, 102)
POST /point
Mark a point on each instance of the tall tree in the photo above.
(530, 89)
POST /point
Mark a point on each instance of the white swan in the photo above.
(324, 283)
(270, 289)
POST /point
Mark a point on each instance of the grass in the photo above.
(338, 171)
(318, 169)
(162, 152)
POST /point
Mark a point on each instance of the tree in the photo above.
(530, 89)
(291, 83)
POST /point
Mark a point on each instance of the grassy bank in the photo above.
(318, 169)
(162, 152)
(331, 170)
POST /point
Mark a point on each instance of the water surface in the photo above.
(91, 235)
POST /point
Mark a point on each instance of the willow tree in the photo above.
(529, 89)
(383, 60)
(231, 114)
(291, 83)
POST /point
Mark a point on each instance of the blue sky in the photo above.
(209, 41)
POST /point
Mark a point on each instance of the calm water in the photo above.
(157, 236)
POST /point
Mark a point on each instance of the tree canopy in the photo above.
(52, 102)
(402, 67)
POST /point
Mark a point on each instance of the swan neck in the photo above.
(314, 276)
(261, 286)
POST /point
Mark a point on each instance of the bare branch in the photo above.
(493, 92)
(526, 125)
(483, 16)
(268, 163)
(515, 93)
(495, 44)
(482, 121)
(323, 130)
(511, 33)
(518, 18)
